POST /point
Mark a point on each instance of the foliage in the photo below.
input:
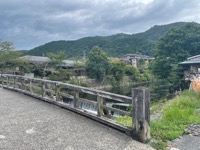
(58, 73)
(141, 64)
(8, 56)
(125, 120)
(157, 31)
(159, 145)
(134, 72)
(24, 65)
(7, 51)
(57, 57)
(61, 74)
(174, 47)
(76, 81)
(115, 45)
(118, 70)
(98, 64)
(6, 46)
(10, 66)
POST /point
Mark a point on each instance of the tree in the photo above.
(118, 70)
(174, 47)
(56, 62)
(98, 64)
(7, 51)
(133, 72)
(10, 66)
(6, 46)
(57, 57)
(7, 55)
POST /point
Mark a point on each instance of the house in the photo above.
(77, 66)
(134, 58)
(191, 65)
(191, 68)
(45, 60)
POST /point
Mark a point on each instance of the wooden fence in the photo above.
(55, 92)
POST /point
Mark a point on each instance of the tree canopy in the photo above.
(56, 57)
(98, 64)
(174, 47)
(7, 51)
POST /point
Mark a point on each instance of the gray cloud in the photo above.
(32, 23)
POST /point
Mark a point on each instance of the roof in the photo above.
(194, 57)
(71, 63)
(191, 60)
(41, 59)
(139, 56)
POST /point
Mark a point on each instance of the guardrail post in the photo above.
(99, 106)
(43, 89)
(31, 86)
(76, 97)
(141, 114)
(8, 81)
(2, 77)
(22, 84)
(1, 81)
(14, 82)
(57, 92)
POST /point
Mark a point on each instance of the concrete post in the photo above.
(141, 114)
(76, 97)
(30, 86)
(99, 106)
(57, 92)
(43, 90)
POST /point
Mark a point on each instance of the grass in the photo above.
(125, 120)
(177, 114)
(159, 145)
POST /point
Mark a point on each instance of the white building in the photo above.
(134, 58)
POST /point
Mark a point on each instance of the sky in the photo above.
(31, 23)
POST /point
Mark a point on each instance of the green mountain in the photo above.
(114, 45)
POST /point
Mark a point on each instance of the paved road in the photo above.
(188, 142)
(30, 124)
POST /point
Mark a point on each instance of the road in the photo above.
(30, 124)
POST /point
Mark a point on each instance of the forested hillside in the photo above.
(114, 45)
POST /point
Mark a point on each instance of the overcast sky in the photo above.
(30, 23)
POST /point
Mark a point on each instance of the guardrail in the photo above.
(55, 92)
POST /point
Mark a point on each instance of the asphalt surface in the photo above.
(188, 142)
(30, 124)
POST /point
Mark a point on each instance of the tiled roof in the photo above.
(41, 59)
(36, 58)
(191, 60)
(139, 56)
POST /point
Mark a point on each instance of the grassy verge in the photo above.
(177, 114)
(126, 120)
